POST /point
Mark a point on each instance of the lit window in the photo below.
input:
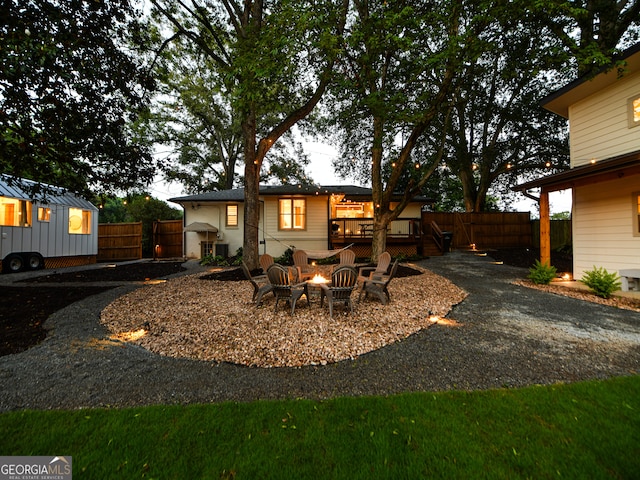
(634, 111)
(637, 213)
(79, 221)
(44, 214)
(292, 213)
(15, 212)
(232, 215)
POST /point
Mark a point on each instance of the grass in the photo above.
(582, 430)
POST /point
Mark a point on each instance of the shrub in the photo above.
(214, 260)
(286, 258)
(601, 282)
(542, 273)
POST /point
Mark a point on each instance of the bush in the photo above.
(286, 258)
(601, 282)
(214, 260)
(542, 273)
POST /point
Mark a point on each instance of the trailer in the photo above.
(61, 229)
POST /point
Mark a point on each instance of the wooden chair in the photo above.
(301, 263)
(347, 257)
(284, 288)
(364, 273)
(265, 262)
(378, 285)
(343, 281)
(260, 284)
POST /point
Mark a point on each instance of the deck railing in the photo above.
(362, 228)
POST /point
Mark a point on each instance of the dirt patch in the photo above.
(130, 272)
(526, 258)
(24, 309)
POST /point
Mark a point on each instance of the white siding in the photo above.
(214, 215)
(50, 239)
(603, 227)
(599, 124)
(314, 237)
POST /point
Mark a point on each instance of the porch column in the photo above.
(545, 229)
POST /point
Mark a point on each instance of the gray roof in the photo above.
(18, 188)
(237, 195)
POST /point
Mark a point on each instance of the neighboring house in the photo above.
(304, 217)
(59, 231)
(604, 120)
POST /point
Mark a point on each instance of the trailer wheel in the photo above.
(35, 261)
(13, 263)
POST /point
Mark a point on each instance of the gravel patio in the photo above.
(501, 335)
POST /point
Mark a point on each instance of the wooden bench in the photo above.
(630, 279)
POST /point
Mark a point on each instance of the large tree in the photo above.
(69, 89)
(277, 60)
(197, 134)
(402, 61)
(497, 131)
(590, 30)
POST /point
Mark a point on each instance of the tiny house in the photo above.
(57, 231)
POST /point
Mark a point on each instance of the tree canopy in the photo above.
(70, 88)
(276, 60)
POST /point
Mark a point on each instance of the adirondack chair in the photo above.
(260, 284)
(284, 287)
(265, 262)
(378, 285)
(364, 273)
(301, 262)
(347, 257)
(343, 281)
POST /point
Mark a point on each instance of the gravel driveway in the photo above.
(501, 335)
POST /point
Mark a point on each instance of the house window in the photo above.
(636, 213)
(15, 212)
(79, 221)
(44, 214)
(292, 214)
(634, 111)
(232, 215)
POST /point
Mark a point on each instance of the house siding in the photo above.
(214, 215)
(314, 237)
(603, 227)
(50, 239)
(599, 124)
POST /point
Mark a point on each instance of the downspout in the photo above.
(262, 220)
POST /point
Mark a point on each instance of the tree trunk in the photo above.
(379, 240)
(251, 193)
(468, 190)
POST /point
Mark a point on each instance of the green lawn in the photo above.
(584, 430)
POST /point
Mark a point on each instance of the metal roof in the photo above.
(18, 188)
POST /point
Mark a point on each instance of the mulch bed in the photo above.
(130, 272)
(23, 310)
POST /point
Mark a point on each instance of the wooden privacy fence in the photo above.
(119, 241)
(167, 238)
(123, 241)
(485, 230)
